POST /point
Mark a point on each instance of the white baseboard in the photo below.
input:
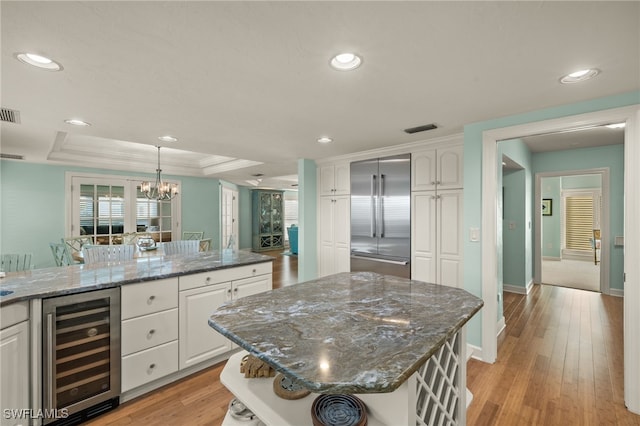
(518, 288)
(501, 326)
(616, 292)
(469, 398)
(510, 288)
(555, 259)
(474, 352)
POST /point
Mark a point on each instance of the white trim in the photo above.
(441, 142)
(501, 326)
(616, 292)
(511, 288)
(474, 352)
(490, 245)
(551, 258)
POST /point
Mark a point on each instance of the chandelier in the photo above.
(162, 191)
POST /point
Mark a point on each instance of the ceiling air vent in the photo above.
(421, 128)
(9, 115)
(11, 156)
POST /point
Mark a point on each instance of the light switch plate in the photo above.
(474, 234)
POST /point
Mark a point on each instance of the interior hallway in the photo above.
(560, 362)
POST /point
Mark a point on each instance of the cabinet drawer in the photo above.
(150, 330)
(147, 366)
(14, 313)
(202, 279)
(148, 297)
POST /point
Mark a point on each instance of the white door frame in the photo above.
(490, 242)
(604, 223)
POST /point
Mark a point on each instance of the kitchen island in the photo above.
(380, 337)
(151, 327)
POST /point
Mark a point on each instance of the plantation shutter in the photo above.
(579, 222)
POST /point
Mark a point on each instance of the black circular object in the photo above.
(338, 410)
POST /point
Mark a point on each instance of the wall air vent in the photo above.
(11, 156)
(10, 115)
(420, 128)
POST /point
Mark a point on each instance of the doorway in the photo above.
(228, 218)
(575, 215)
(491, 246)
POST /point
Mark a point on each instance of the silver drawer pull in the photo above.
(208, 279)
(152, 366)
(151, 332)
(151, 299)
(229, 291)
(235, 290)
(255, 270)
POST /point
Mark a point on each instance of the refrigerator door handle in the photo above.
(373, 206)
(374, 259)
(381, 214)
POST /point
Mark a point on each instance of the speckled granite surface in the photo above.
(347, 333)
(58, 281)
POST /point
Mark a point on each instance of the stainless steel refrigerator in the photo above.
(381, 215)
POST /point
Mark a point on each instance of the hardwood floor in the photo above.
(199, 399)
(559, 363)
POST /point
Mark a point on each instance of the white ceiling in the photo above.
(251, 80)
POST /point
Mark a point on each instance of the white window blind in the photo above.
(578, 222)
(290, 211)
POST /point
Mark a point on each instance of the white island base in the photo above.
(437, 399)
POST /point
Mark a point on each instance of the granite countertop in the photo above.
(58, 281)
(354, 332)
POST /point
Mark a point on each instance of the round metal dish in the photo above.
(239, 411)
(338, 410)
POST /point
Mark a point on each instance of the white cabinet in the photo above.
(14, 370)
(207, 291)
(334, 179)
(149, 334)
(437, 237)
(440, 168)
(198, 341)
(334, 234)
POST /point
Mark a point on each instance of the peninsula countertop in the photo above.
(347, 333)
(58, 281)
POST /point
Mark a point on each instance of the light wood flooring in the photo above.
(559, 363)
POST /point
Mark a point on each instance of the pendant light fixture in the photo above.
(162, 191)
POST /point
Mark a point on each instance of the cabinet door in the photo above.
(198, 341)
(423, 170)
(341, 178)
(423, 236)
(253, 285)
(449, 239)
(327, 182)
(14, 369)
(450, 167)
(325, 228)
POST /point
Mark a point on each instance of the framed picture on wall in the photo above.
(546, 206)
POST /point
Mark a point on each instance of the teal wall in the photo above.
(244, 227)
(582, 181)
(473, 181)
(517, 250)
(32, 206)
(590, 158)
(551, 226)
(307, 217)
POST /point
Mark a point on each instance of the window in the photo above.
(104, 206)
(290, 211)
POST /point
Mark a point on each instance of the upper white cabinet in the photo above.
(440, 168)
(335, 179)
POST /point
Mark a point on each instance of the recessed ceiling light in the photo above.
(617, 125)
(168, 138)
(39, 61)
(76, 122)
(579, 76)
(325, 139)
(345, 61)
